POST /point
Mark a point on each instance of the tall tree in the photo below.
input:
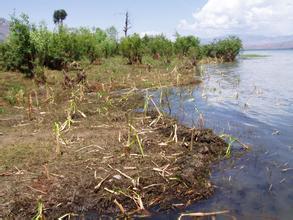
(112, 33)
(59, 16)
(127, 24)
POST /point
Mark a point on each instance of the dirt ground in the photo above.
(113, 159)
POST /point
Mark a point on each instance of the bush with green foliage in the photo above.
(188, 46)
(18, 52)
(226, 49)
(158, 47)
(30, 47)
(132, 48)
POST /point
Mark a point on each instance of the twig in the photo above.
(37, 190)
(192, 139)
(202, 214)
(158, 110)
(111, 191)
(67, 215)
(129, 168)
(30, 108)
(286, 169)
(97, 187)
(125, 175)
(54, 174)
(89, 147)
(153, 185)
(175, 138)
(119, 206)
(6, 174)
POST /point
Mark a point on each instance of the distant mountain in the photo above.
(4, 28)
(261, 42)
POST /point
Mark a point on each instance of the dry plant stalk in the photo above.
(36, 97)
(133, 134)
(119, 206)
(175, 137)
(57, 132)
(201, 121)
(192, 139)
(30, 106)
(202, 214)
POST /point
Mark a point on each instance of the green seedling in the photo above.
(133, 138)
(230, 139)
(40, 209)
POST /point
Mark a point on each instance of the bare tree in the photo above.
(127, 24)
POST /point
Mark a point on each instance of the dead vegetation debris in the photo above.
(113, 159)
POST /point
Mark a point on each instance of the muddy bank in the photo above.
(114, 177)
(113, 160)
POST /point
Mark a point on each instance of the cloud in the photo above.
(264, 17)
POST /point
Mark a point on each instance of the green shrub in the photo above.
(188, 46)
(14, 94)
(29, 48)
(226, 49)
(41, 38)
(132, 48)
(18, 51)
(158, 46)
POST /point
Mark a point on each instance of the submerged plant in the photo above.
(200, 120)
(230, 139)
(146, 103)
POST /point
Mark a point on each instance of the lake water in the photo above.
(252, 100)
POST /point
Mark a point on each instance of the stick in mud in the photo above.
(30, 106)
(192, 139)
(202, 214)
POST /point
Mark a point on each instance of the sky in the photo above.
(203, 18)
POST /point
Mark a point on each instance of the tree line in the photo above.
(31, 46)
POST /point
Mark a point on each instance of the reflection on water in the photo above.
(252, 100)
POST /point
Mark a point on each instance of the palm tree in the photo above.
(59, 16)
